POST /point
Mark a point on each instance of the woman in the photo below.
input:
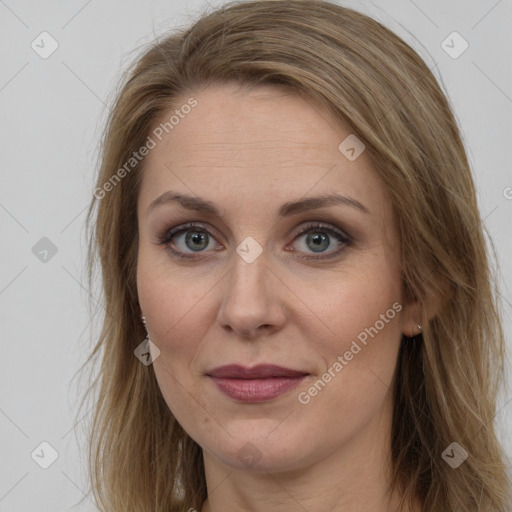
(299, 305)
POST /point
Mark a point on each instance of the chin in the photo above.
(255, 450)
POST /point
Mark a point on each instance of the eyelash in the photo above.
(310, 227)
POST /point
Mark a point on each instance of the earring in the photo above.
(147, 333)
(413, 335)
(147, 351)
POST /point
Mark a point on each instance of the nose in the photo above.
(252, 296)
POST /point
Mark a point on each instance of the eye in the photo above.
(316, 236)
(194, 238)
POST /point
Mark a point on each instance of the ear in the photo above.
(412, 316)
(415, 313)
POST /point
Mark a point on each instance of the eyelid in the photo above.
(178, 229)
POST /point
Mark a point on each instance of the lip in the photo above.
(255, 384)
(260, 371)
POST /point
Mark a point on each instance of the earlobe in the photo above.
(414, 318)
(417, 315)
(413, 321)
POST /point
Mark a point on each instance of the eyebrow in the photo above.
(286, 210)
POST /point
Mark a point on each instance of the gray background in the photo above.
(52, 111)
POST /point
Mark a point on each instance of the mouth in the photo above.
(260, 383)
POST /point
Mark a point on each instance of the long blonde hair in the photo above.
(367, 77)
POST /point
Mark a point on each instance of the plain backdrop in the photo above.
(52, 112)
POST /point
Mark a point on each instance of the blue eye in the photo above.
(317, 237)
(197, 239)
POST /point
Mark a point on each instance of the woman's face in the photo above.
(245, 286)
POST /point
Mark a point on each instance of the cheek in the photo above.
(362, 302)
(173, 303)
(174, 306)
(362, 313)
(366, 343)
(359, 357)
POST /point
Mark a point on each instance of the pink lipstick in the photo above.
(257, 384)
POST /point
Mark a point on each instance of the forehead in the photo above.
(262, 144)
(262, 121)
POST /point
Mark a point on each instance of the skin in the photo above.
(248, 152)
